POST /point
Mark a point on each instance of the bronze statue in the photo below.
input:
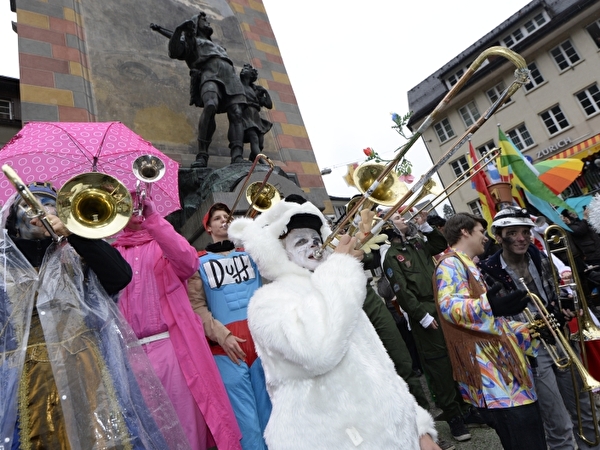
(257, 96)
(214, 85)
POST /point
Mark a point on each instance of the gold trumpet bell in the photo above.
(94, 205)
(387, 193)
(264, 199)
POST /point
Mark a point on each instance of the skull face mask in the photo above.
(300, 244)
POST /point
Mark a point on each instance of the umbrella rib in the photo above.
(75, 141)
(97, 155)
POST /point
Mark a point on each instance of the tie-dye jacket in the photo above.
(457, 307)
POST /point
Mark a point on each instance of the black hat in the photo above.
(305, 220)
(295, 198)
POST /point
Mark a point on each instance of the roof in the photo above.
(423, 98)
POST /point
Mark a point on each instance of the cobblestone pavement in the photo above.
(481, 438)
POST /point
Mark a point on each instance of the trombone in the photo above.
(459, 182)
(147, 169)
(588, 331)
(521, 78)
(589, 383)
(260, 195)
(35, 207)
(93, 205)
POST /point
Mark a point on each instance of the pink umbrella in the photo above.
(57, 151)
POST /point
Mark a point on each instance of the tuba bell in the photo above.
(94, 205)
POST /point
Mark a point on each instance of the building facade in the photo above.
(556, 115)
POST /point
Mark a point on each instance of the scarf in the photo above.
(220, 247)
(462, 344)
(131, 238)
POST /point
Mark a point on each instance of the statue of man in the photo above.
(257, 96)
(214, 84)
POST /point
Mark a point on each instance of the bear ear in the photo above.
(237, 227)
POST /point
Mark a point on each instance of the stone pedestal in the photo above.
(199, 189)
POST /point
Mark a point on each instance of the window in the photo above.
(453, 79)
(535, 77)
(521, 137)
(469, 113)
(494, 93)
(475, 208)
(6, 109)
(460, 166)
(485, 149)
(589, 99)
(444, 130)
(554, 119)
(594, 30)
(565, 55)
(525, 30)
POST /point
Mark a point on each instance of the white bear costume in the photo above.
(331, 382)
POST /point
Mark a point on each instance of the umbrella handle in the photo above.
(36, 209)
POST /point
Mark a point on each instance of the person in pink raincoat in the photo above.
(157, 307)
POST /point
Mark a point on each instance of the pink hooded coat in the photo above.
(156, 301)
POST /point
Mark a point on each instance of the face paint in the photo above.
(299, 244)
(23, 223)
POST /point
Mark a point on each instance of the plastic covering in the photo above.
(109, 393)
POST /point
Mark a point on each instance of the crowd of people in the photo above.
(258, 341)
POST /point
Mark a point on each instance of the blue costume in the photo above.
(229, 280)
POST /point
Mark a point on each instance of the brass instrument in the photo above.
(147, 169)
(265, 194)
(94, 205)
(35, 207)
(388, 192)
(521, 78)
(429, 188)
(588, 330)
(261, 199)
(457, 183)
(570, 359)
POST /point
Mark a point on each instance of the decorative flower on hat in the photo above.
(404, 167)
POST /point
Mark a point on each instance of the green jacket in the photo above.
(409, 267)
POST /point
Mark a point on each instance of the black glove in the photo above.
(510, 304)
(558, 315)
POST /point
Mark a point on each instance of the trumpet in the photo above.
(147, 169)
(521, 78)
(569, 358)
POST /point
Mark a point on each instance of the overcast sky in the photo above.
(351, 64)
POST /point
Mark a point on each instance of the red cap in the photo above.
(211, 210)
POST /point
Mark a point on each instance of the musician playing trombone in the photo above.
(487, 350)
(519, 258)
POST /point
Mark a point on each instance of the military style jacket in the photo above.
(408, 265)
